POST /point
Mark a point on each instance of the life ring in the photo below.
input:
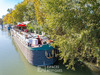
(49, 55)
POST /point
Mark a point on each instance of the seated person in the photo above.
(39, 40)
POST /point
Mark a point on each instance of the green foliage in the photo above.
(8, 19)
(31, 26)
(75, 26)
(30, 13)
(18, 13)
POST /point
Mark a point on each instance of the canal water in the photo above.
(12, 62)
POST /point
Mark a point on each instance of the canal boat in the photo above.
(36, 48)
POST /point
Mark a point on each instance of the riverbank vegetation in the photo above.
(74, 24)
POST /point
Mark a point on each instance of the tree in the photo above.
(18, 13)
(10, 10)
(5, 19)
(75, 26)
(1, 21)
(10, 19)
(30, 13)
(38, 12)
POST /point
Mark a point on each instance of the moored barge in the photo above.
(35, 48)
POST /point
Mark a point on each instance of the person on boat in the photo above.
(20, 28)
(39, 40)
(26, 30)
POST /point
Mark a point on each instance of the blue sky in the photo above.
(5, 4)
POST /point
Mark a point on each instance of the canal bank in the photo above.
(12, 62)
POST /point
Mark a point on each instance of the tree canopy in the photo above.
(75, 26)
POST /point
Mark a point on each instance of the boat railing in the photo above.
(22, 39)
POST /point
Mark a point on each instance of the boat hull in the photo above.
(36, 56)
